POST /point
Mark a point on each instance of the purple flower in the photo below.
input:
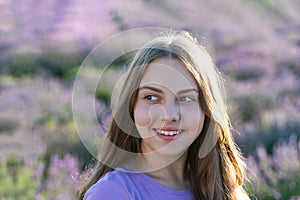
(62, 180)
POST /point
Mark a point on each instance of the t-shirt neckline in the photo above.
(154, 183)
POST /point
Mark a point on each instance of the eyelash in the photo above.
(190, 98)
(147, 97)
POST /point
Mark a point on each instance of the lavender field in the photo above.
(255, 44)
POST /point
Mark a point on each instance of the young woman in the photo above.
(170, 134)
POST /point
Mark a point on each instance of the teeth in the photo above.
(168, 133)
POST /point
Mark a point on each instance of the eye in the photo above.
(151, 97)
(186, 99)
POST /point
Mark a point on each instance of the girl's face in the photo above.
(167, 112)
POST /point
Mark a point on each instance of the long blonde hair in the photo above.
(216, 174)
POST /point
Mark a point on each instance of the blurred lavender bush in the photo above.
(256, 44)
(276, 176)
(16, 179)
(21, 180)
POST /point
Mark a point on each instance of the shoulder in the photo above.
(113, 186)
(125, 185)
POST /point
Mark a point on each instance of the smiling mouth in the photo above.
(168, 133)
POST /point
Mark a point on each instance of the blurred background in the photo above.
(255, 44)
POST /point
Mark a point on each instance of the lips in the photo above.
(168, 133)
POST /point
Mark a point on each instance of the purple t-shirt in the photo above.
(123, 185)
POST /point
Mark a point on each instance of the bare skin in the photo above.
(169, 118)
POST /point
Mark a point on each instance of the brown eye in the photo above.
(151, 97)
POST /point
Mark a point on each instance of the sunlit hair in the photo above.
(216, 174)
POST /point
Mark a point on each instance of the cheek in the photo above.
(194, 118)
(141, 116)
(145, 115)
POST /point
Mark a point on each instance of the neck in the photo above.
(167, 170)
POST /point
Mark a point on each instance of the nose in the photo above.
(171, 112)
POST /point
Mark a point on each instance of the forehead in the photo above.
(169, 73)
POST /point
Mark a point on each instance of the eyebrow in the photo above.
(160, 91)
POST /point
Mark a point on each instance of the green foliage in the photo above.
(63, 146)
(268, 136)
(276, 175)
(284, 188)
(292, 65)
(52, 117)
(60, 136)
(250, 74)
(8, 125)
(251, 107)
(289, 185)
(81, 153)
(16, 180)
(60, 63)
(103, 94)
(19, 63)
